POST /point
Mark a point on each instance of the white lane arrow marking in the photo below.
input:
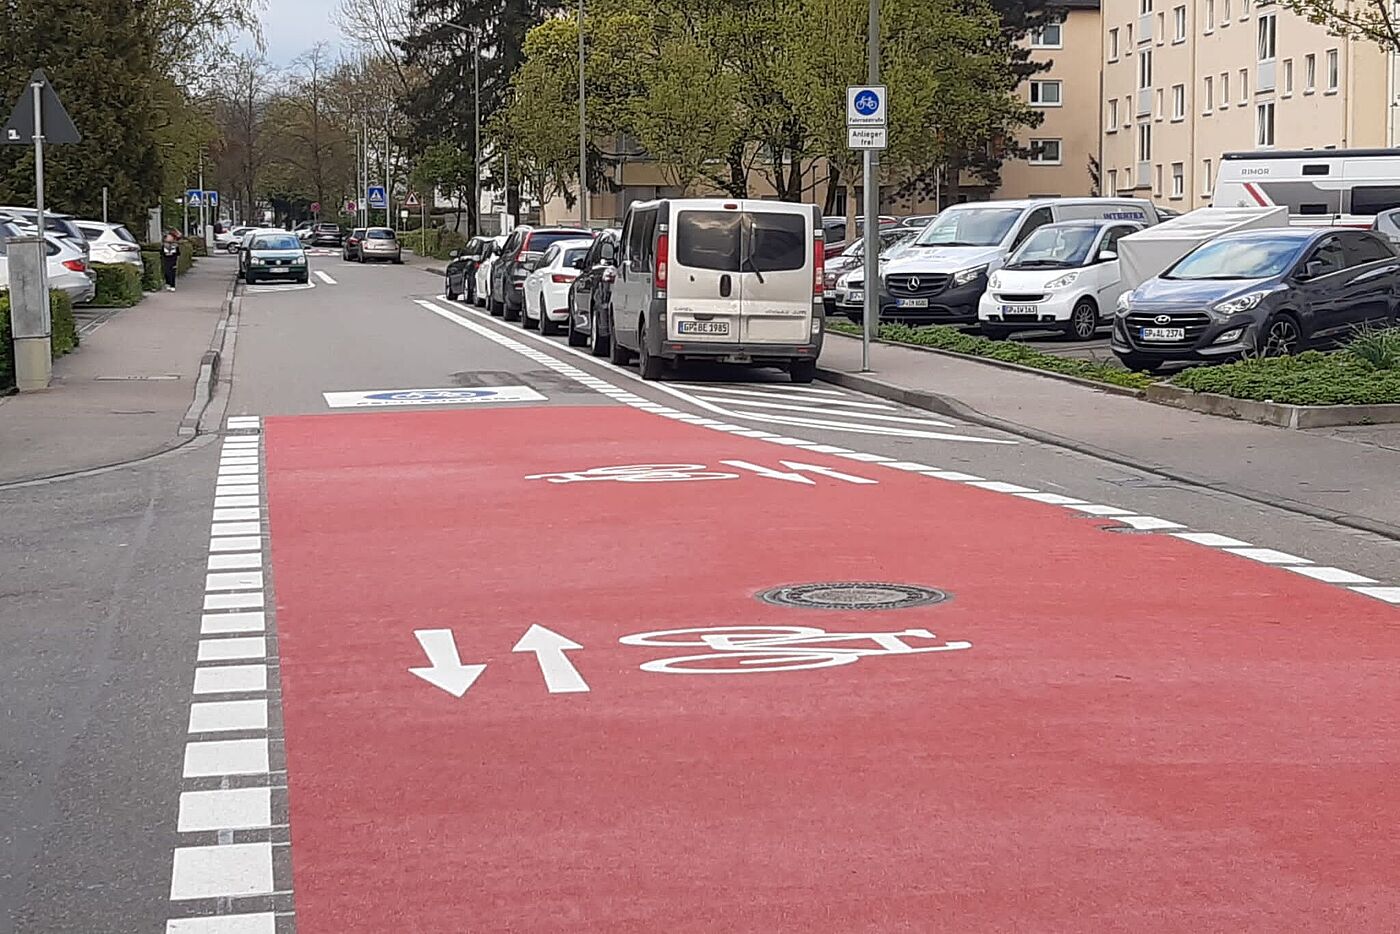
(445, 669)
(560, 675)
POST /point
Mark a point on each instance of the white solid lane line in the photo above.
(829, 413)
(783, 395)
(756, 387)
(325, 278)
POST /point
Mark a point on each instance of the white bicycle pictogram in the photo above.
(748, 649)
(636, 473)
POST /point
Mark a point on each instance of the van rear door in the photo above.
(703, 282)
(777, 270)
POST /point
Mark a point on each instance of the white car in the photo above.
(67, 267)
(1063, 277)
(483, 272)
(111, 243)
(230, 239)
(547, 285)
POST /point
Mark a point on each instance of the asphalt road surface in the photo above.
(453, 628)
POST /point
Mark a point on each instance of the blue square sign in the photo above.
(376, 197)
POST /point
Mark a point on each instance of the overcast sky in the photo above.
(290, 27)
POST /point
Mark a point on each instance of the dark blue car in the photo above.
(1270, 292)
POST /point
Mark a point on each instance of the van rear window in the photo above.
(730, 241)
(1373, 199)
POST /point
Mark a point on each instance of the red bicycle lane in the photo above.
(1144, 734)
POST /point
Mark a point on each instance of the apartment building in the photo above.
(1187, 80)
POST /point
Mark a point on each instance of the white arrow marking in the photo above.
(445, 669)
(560, 675)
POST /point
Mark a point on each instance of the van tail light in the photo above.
(819, 268)
(75, 265)
(663, 251)
(561, 277)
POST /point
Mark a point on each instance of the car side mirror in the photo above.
(1312, 269)
(1107, 256)
(454, 254)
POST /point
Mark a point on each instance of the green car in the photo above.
(275, 257)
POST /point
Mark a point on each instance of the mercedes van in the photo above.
(941, 277)
(726, 280)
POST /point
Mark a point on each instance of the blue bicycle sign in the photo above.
(865, 105)
(867, 102)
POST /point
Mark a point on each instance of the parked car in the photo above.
(326, 235)
(590, 294)
(277, 256)
(481, 282)
(59, 225)
(849, 294)
(1387, 224)
(942, 278)
(230, 239)
(67, 268)
(853, 257)
(350, 249)
(1270, 292)
(836, 237)
(303, 230)
(732, 281)
(111, 243)
(508, 273)
(379, 243)
(459, 278)
(547, 285)
(917, 221)
(245, 246)
(1065, 276)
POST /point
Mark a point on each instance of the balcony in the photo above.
(1266, 75)
(1144, 31)
(1143, 175)
(1144, 102)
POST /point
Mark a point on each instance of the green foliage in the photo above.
(435, 242)
(1379, 348)
(942, 337)
(152, 276)
(64, 327)
(186, 261)
(1368, 22)
(118, 285)
(7, 347)
(1310, 378)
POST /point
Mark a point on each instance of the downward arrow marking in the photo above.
(445, 669)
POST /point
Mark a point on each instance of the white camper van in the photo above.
(1325, 187)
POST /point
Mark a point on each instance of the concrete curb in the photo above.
(209, 368)
(1273, 413)
(945, 405)
(1016, 367)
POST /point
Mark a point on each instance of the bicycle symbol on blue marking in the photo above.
(867, 103)
(750, 649)
(416, 395)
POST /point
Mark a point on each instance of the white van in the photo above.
(736, 281)
(1063, 277)
(941, 277)
(1324, 187)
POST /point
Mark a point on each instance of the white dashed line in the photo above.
(325, 278)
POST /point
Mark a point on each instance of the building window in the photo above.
(1224, 12)
(1224, 90)
(1287, 77)
(1265, 119)
(1160, 111)
(1333, 76)
(1244, 10)
(1178, 102)
(1145, 69)
(1045, 152)
(1157, 181)
(1205, 178)
(1112, 188)
(1112, 126)
(1309, 73)
(1045, 94)
(1049, 36)
(1144, 142)
(1144, 7)
(1210, 15)
(1208, 92)
(1268, 38)
(1179, 19)
(1113, 45)
(1244, 85)
(1161, 28)
(1129, 27)
(1128, 179)
(1178, 179)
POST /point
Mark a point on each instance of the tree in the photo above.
(311, 140)
(446, 168)
(241, 117)
(1367, 20)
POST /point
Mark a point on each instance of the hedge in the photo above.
(63, 339)
(152, 276)
(435, 242)
(118, 284)
(1310, 378)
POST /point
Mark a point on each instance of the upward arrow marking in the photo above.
(560, 675)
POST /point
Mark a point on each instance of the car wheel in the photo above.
(305, 279)
(802, 371)
(512, 313)
(575, 339)
(447, 292)
(1280, 337)
(650, 367)
(598, 343)
(398, 260)
(1141, 364)
(1083, 321)
(492, 307)
(525, 321)
(618, 354)
(547, 328)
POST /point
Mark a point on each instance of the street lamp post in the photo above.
(872, 206)
(582, 130)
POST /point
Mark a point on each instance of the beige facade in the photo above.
(1187, 80)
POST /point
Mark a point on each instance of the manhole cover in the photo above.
(852, 595)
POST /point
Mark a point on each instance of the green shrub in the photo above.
(118, 284)
(1378, 348)
(7, 347)
(152, 276)
(942, 337)
(63, 339)
(186, 261)
(1311, 378)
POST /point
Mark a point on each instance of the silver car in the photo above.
(68, 269)
(57, 225)
(380, 243)
(111, 243)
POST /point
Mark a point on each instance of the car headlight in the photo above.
(1064, 282)
(257, 261)
(1124, 305)
(964, 276)
(1244, 303)
(995, 280)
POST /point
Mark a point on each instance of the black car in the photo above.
(326, 235)
(507, 285)
(459, 279)
(350, 249)
(590, 296)
(1269, 292)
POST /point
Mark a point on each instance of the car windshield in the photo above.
(1238, 259)
(1054, 247)
(283, 242)
(969, 227)
(381, 235)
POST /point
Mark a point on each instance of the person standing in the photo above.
(170, 258)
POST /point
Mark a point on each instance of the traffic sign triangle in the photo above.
(412, 201)
(58, 126)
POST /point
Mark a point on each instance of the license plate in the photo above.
(278, 269)
(1018, 309)
(702, 327)
(855, 298)
(911, 303)
(1163, 334)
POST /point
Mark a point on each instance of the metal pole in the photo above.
(203, 198)
(104, 204)
(872, 206)
(505, 158)
(388, 201)
(582, 130)
(476, 133)
(38, 88)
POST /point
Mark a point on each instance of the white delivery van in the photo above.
(1063, 277)
(1146, 253)
(728, 280)
(941, 278)
(1323, 187)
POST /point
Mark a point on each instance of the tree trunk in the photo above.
(833, 179)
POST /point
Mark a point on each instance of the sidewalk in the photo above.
(1351, 476)
(114, 399)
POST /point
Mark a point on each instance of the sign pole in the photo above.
(872, 206)
(37, 89)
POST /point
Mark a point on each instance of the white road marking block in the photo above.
(1094, 509)
(234, 580)
(221, 650)
(325, 278)
(228, 871)
(213, 624)
(264, 923)
(226, 757)
(236, 488)
(225, 809)
(1211, 540)
(233, 601)
(236, 543)
(1388, 594)
(239, 470)
(229, 679)
(449, 396)
(236, 562)
(236, 528)
(1268, 556)
(1148, 523)
(997, 486)
(244, 421)
(235, 502)
(1330, 575)
(955, 476)
(1053, 499)
(228, 716)
(240, 514)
